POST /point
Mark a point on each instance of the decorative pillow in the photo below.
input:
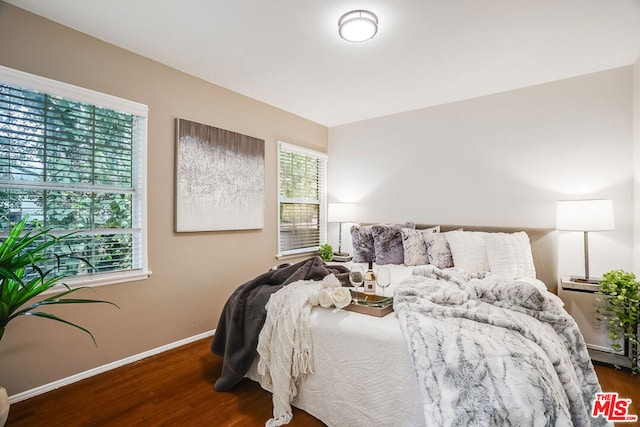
(438, 250)
(415, 247)
(362, 240)
(469, 250)
(509, 255)
(387, 241)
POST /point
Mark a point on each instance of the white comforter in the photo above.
(347, 348)
(360, 362)
(364, 372)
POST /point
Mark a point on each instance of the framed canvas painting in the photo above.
(219, 179)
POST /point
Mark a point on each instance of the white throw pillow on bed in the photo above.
(509, 255)
(469, 250)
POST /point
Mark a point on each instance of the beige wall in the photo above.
(193, 274)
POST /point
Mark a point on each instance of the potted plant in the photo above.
(618, 307)
(326, 252)
(28, 267)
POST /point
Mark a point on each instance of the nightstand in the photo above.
(580, 302)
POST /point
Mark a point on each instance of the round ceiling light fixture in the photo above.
(358, 25)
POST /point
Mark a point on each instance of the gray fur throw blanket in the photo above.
(489, 352)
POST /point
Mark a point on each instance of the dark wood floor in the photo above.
(176, 389)
(626, 385)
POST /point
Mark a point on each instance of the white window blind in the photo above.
(302, 199)
(72, 159)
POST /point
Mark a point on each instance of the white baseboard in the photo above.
(104, 368)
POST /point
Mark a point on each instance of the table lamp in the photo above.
(585, 216)
(341, 212)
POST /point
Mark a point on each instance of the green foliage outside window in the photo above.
(301, 177)
(69, 166)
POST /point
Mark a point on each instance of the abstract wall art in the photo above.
(219, 179)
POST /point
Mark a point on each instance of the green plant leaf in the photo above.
(58, 319)
(22, 251)
(621, 293)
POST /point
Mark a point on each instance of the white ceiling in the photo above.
(287, 53)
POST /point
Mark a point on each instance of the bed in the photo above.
(437, 360)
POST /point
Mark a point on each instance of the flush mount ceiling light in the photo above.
(358, 25)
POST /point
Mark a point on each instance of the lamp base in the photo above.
(342, 257)
(582, 279)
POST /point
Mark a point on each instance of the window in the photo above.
(74, 160)
(302, 199)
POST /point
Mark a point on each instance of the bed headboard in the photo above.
(544, 247)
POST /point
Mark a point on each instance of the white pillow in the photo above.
(469, 250)
(509, 255)
(415, 247)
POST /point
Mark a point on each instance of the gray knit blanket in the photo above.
(489, 352)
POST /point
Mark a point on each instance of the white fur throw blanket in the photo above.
(494, 353)
(285, 346)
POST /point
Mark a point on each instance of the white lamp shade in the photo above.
(585, 215)
(341, 212)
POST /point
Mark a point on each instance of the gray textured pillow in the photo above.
(438, 250)
(387, 241)
(415, 247)
(362, 241)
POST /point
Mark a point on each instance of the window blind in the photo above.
(302, 199)
(71, 165)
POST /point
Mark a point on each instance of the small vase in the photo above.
(4, 406)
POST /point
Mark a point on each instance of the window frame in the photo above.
(322, 196)
(64, 90)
